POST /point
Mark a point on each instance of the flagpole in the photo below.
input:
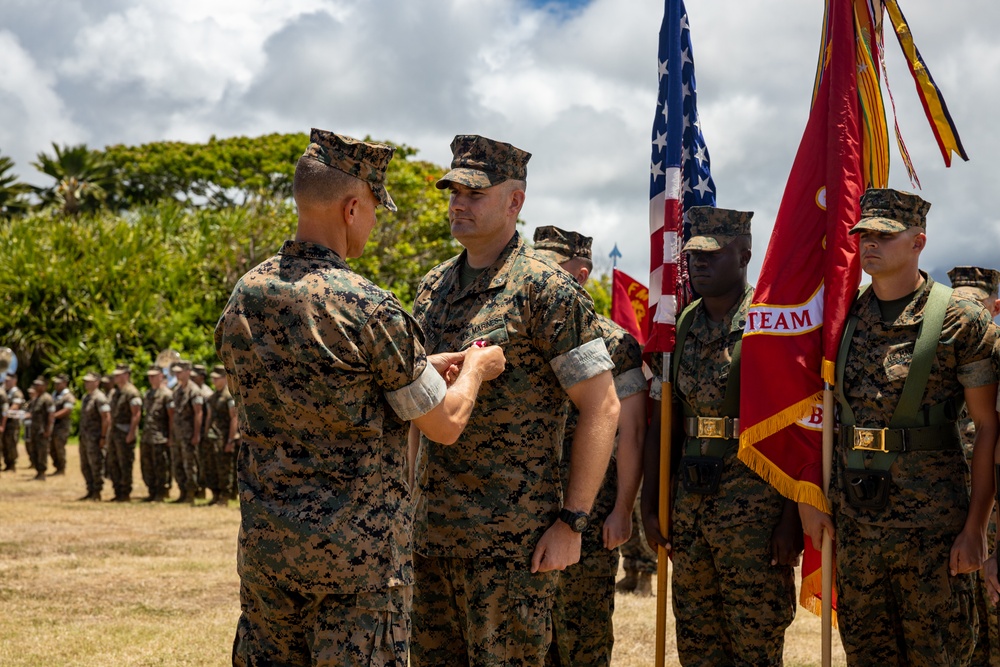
(663, 560)
(827, 555)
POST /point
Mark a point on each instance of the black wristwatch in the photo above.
(578, 521)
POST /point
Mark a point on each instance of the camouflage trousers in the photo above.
(120, 460)
(731, 606)
(58, 447)
(92, 463)
(40, 447)
(896, 602)
(279, 628)
(583, 633)
(208, 457)
(11, 435)
(480, 612)
(224, 464)
(987, 652)
(154, 463)
(186, 464)
(636, 554)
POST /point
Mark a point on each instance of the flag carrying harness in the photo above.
(871, 450)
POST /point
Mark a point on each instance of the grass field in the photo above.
(88, 584)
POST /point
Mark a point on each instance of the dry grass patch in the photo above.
(97, 584)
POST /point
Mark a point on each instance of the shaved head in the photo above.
(317, 185)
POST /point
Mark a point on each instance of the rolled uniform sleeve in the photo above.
(976, 351)
(582, 363)
(629, 383)
(411, 385)
(566, 332)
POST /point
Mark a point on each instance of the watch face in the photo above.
(580, 523)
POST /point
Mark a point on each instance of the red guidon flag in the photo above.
(628, 305)
(807, 282)
(810, 272)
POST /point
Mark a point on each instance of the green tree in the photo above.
(600, 290)
(221, 173)
(83, 179)
(13, 193)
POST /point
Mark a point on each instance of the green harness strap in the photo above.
(907, 413)
(731, 400)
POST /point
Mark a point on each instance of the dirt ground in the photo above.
(140, 584)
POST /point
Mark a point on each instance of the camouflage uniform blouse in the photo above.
(64, 399)
(182, 402)
(156, 415)
(626, 355)
(221, 404)
(126, 398)
(743, 497)
(928, 488)
(41, 408)
(496, 490)
(94, 405)
(327, 368)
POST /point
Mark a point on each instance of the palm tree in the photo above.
(13, 194)
(84, 179)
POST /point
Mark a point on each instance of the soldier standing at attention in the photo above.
(206, 457)
(32, 395)
(95, 423)
(154, 444)
(42, 409)
(188, 406)
(222, 435)
(734, 540)
(908, 537)
(65, 401)
(11, 426)
(4, 407)
(327, 370)
(126, 412)
(583, 633)
(980, 285)
(494, 524)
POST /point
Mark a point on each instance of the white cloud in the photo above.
(576, 88)
(31, 114)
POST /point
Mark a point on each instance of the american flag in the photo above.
(679, 174)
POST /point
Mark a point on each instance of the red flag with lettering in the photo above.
(629, 300)
(808, 279)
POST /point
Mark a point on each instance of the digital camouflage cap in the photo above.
(714, 228)
(366, 160)
(891, 211)
(977, 282)
(561, 245)
(479, 162)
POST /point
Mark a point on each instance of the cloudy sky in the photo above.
(572, 81)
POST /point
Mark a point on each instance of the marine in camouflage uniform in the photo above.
(42, 408)
(734, 539)
(154, 443)
(12, 426)
(32, 395)
(206, 456)
(902, 596)
(95, 424)
(978, 284)
(583, 633)
(327, 369)
(489, 508)
(65, 401)
(126, 412)
(188, 405)
(222, 435)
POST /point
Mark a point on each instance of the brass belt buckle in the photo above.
(870, 439)
(711, 427)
